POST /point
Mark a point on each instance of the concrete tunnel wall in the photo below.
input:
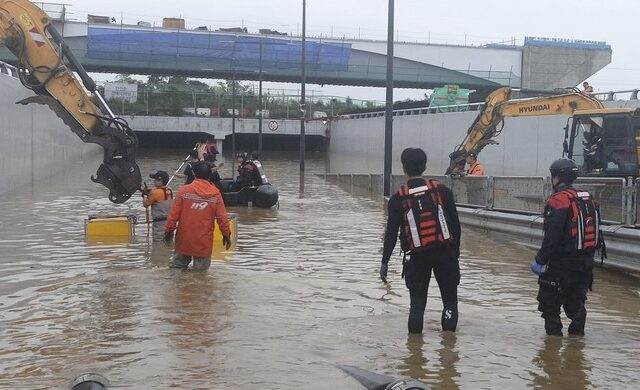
(527, 145)
(34, 142)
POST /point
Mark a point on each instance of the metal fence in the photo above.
(618, 197)
(610, 193)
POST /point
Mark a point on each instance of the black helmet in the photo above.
(565, 169)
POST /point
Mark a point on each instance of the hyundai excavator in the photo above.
(46, 66)
(602, 141)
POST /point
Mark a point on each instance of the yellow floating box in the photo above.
(217, 235)
(109, 227)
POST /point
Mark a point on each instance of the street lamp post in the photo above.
(260, 106)
(388, 116)
(233, 124)
(302, 94)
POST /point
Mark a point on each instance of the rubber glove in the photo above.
(384, 268)
(226, 241)
(168, 237)
(537, 268)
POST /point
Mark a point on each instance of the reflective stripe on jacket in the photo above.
(424, 222)
(195, 210)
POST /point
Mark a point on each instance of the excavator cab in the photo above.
(605, 142)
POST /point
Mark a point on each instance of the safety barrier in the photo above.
(623, 243)
(474, 191)
(636, 203)
(520, 194)
(512, 206)
(610, 193)
(618, 197)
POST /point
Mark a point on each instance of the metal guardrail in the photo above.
(604, 96)
(618, 197)
(417, 111)
(611, 95)
(514, 206)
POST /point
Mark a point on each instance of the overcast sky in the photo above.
(613, 21)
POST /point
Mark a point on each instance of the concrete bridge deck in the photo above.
(539, 64)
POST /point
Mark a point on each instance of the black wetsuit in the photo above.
(442, 261)
(568, 275)
(188, 172)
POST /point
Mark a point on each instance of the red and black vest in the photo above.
(424, 223)
(584, 221)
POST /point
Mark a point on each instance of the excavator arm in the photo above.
(46, 66)
(498, 106)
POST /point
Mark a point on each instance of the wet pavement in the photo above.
(299, 295)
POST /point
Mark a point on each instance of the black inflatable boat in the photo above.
(255, 191)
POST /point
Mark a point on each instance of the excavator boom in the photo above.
(41, 53)
(498, 106)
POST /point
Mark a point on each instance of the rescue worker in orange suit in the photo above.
(564, 262)
(160, 198)
(195, 210)
(425, 214)
(475, 168)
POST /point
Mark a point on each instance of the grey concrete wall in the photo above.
(546, 67)
(220, 127)
(527, 145)
(34, 143)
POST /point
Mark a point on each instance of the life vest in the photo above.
(476, 169)
(160, 210)
(584, 220)
(424, 223)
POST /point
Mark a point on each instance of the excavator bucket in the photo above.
(119, 171)
(458, 159)
(121, 177)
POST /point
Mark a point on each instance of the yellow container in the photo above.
(118, 227)
(217, 236)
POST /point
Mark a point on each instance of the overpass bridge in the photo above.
(539, 64)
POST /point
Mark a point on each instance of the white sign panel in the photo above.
(121, 91)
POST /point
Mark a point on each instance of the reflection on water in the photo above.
(299, 295)
(563, 364)
(441, 371)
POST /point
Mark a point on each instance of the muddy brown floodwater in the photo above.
(299, 295)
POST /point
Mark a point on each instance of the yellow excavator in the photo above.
(602, 141)
(46, 65)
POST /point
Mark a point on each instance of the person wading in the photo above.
(197, 207)
(564, 262)
(160, 198)
(425, 214)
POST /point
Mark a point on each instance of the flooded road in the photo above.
(299, 295)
